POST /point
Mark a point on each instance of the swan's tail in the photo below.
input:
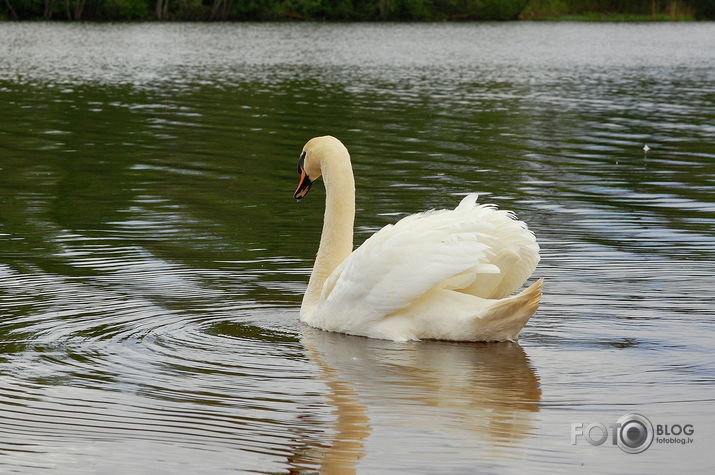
(505, 318)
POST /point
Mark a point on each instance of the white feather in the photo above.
(423, 262)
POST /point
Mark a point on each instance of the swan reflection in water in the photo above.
(480, 394)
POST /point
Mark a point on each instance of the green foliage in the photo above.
(365, 10)
(501, 9)
(123, 10)
(703, 9)
(190, 9)
(545, 8)
(407, 9)
(618, 10)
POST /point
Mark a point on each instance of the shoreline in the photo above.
(379, 11)
(615, 18)
(586, 18)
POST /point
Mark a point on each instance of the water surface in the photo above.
(152, 260)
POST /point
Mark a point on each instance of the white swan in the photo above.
(442, 274)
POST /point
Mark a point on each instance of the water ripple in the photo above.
(153, 261)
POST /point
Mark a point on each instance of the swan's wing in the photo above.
(448, 248)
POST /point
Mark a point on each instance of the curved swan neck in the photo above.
(336, 241)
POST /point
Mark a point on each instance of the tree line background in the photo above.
(346, 10)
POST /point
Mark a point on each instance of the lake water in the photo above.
(152, 259)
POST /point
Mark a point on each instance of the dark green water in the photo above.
(152, 259)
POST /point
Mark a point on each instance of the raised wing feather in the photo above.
(466, 249)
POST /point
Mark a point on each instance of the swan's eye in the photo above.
(301, 161)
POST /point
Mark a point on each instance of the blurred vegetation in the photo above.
(619, 10)
(369, 10)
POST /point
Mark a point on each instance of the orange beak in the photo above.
(303, 186)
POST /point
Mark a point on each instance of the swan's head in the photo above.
(316, 157)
